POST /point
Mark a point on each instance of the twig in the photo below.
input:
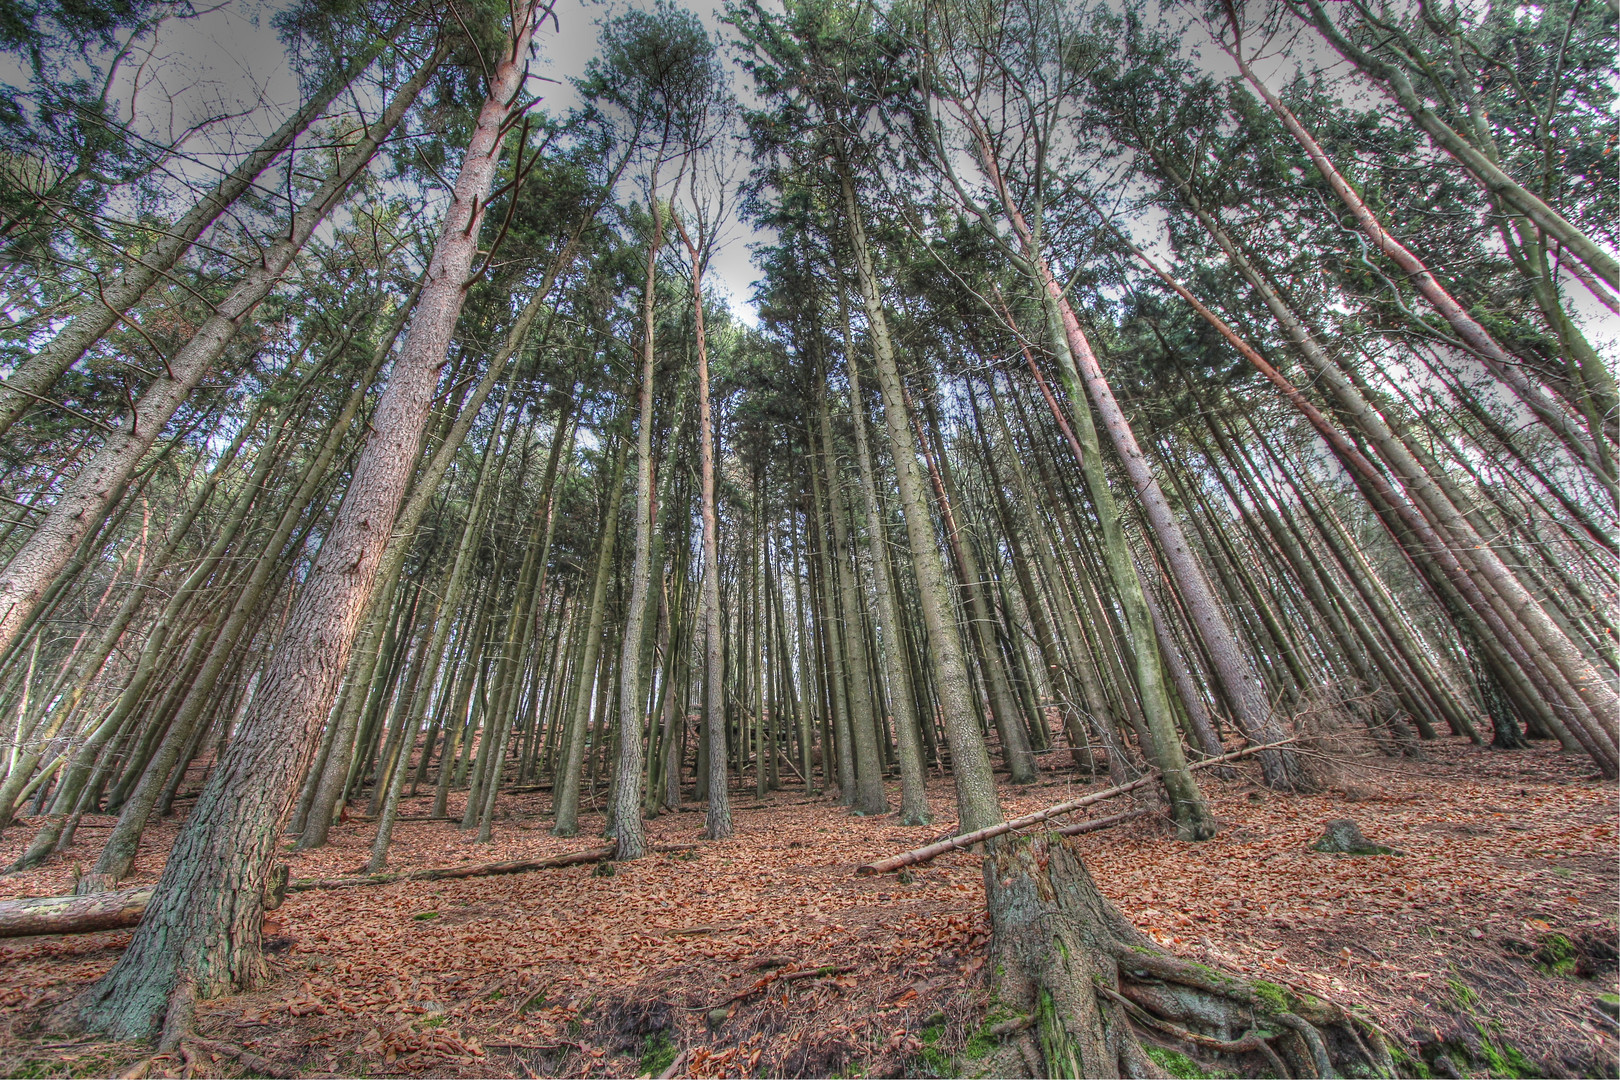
(825, 971)
(674, 1066)
(253, 1062)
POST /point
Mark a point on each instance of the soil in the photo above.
(1489, 938)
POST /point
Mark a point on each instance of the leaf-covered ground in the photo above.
(1493, 933)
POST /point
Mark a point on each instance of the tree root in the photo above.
(249, 1060)
(1098, 998)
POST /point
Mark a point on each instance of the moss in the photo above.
(496, 996)
(1207, 971)
(1501, 1057)
(981, 1042)
(1556, 956)
(431, 1022)
(1462, 993)
(933, 1060)
(657, 1053)
(1057, 1046)
(1275, 997)
(1407, 1065)
(424, 916)
(1179, 1065)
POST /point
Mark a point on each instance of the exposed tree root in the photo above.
(249, 1060)
(1094, 997)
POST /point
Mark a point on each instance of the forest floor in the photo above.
(1494, 929)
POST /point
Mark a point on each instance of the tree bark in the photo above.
(34, 566)
(201, 937)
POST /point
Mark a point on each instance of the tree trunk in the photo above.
(200, 937)
(970, 761)
(1090, 994)
(31, 570)
(913, 798)
(565, 802)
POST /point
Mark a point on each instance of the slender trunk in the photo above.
(975, 785)
(565, 802)
(200, 936)
(914, 808)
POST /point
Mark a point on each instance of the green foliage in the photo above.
(424, 916)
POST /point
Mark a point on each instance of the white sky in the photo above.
(230, 61)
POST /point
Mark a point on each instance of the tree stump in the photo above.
(1343, 837)
(1090, 995)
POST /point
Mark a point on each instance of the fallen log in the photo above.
(446, 873)
(117, 910)
(1098, 824)
(967, 840)
(73, 914)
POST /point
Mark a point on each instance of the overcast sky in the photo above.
(230, 60)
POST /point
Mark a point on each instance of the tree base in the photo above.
(1088, 995)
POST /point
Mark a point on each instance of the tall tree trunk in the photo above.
(200, 935)
(25, 578)
(632, 837)
(565, 801)
(970, 761)
(913, 796)
(869, 797)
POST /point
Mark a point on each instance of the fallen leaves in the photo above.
(535, 974)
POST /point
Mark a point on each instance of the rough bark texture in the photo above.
(73, 914)
(627, 822)
(200, 937)
(103, 478)
(1078, 991)
(970, 761)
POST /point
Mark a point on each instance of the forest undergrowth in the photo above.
(1489, 938)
